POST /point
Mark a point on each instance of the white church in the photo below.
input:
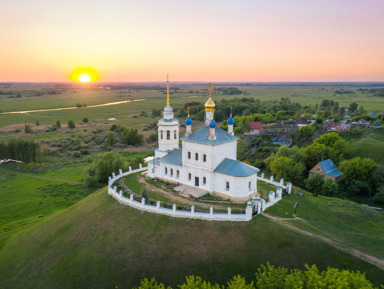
(207, 159)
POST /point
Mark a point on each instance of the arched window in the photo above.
(166, 170)
(168, 134)
(227, 186)
(171, 172)
(204, 180)
(161, 134)
(174, 135)
(249, 185)
(177, 174)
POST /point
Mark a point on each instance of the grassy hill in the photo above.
(98, 243)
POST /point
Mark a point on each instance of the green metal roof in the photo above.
(235, 168)
(173, 158)
(201, 136)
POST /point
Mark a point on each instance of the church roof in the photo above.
(235, 168)
(173, 158)
(329, 168)
(201, 136)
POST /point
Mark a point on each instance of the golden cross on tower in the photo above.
(231, 111)
(210, 89)
(167, 90)
(188, 109)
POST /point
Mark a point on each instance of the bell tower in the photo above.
(209, 107)
(168, 130)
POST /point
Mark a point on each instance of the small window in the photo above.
(168, 134)
(161, 134)
(204, 158)
(189, 176)
(317, 170)
(174, 135)
(153, 171)
(204, 180)
(171, 172)
(177, 174)
(196, 156)
(189, 155)
(250, 185)
(227, 186)
(166, 170)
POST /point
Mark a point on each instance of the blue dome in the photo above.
(205, 118)
(212, 124)
(231, 121)
(188, 121)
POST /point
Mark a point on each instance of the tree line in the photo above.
(27, 151)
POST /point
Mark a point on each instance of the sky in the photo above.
(199, 40)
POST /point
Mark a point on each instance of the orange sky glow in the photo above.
(210, 40)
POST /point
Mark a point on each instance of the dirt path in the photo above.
(379, 263)
(174, 197)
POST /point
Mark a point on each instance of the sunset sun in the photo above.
(84, 75)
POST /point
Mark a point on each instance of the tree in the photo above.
(37, 122)
(329, 188)
(288, 169)
(71, 124)
(293, 153)
(144, 195)
(315, 153)
(360, 175)
(132, 137)
(314, 183)
(102, 167)
(28, 128)
(110, 140)
(58, 124)
(353, 107)
(85, 120)
(306, 131)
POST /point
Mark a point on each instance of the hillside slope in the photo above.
(98, 243)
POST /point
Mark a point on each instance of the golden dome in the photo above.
(209, 105)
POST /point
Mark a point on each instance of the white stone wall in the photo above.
(164, 143)
(238, 186)
(215, 154)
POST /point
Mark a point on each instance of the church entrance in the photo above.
(196, 181)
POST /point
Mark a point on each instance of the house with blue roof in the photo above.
(206, 159)
(328, 169)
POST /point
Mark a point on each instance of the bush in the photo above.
(37, 123)
(132, 137)
(71, 124)
(306, 131)
(84, 152)
(379, 196)
(58, 124)
(85, 120)
(76, 155)
(27, 128)
(152, 137)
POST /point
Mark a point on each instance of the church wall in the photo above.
(214, 154)
(238, 186)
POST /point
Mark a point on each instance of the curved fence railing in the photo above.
(254, 207)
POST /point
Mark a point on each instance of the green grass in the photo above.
(99, 243)
(352, 224)
(27, 200)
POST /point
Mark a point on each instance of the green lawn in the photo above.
(99, 243)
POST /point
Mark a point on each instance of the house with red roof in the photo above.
(256, 128)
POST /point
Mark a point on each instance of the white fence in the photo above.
(257, 205)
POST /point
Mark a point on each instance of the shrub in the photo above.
(84, 152)
(58, 124)
(37, 123)
(71, 124)
(76, 155)
(85, 120)
(27, 128)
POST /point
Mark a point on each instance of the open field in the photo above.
(98, 243)
(305, 94)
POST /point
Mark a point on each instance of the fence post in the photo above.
(121, 193)
(131, 198)
(174, 208)
(130, 168)
(115, 189)
(211, 211)
(262, 175)
(271, 179)
(271, 197)
(113, 175)
(120, 171)
(140, 166)
(289, 187)
(192, 210)
(229, 212)
(279, 193)
(281, 181)
(142, 202)
(248, 211)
